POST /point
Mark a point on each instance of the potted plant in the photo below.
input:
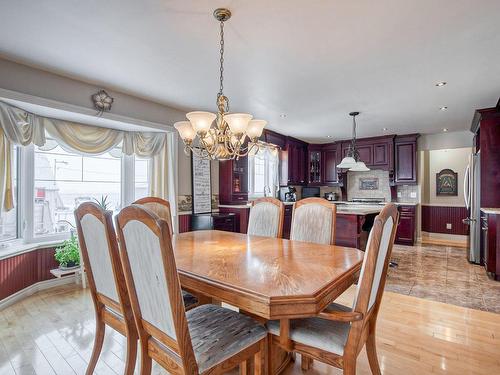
(68, 254)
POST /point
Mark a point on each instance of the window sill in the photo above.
(18, 247)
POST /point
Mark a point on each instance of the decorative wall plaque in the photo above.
(368, 183)
(202, 195)
(447, 183)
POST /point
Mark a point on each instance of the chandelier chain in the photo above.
(221, 79)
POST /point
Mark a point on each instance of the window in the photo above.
(9, 219)
(142, 178)
(263, 172)
(65, 179)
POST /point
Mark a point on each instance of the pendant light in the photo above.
(351, 161)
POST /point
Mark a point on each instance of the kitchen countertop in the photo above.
(490, 210)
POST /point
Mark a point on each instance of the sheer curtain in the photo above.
(264, 170)
(21, 127)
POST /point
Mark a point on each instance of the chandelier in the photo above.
(351, 161)
(232, 135)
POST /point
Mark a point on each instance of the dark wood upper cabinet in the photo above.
(331, 157)
(233, 181)
(405, 151)
(297, 159)
(275, 138)
(314, 165)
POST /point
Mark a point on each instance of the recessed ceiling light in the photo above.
(328, 136)
(384, 129)
(443, 108)
(283, 115)
(445, 129)
(440, 84)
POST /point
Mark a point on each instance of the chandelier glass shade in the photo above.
(352, 161)
(223, 135)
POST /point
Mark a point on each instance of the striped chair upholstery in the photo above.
(313, 220)
(266, 218)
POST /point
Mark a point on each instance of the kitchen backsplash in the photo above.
(372, 184)
(408, 193)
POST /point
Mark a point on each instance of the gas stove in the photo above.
(368, 200)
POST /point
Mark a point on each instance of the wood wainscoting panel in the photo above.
(184, 223)
(21, 271)
(435, 218)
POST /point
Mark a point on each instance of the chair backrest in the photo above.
(99, 249)
(160, 207)
(313, 220)
(376, 261)
(153, 283)
(266, 218)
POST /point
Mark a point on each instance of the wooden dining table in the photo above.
(268, 278)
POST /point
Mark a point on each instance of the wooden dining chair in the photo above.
(206, 339)
(338, 333)
(161, 207)
(266, 218)
(313, 220)
(99, 249)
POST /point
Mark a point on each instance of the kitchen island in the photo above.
(354, 222)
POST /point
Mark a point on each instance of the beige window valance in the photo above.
(18, 126)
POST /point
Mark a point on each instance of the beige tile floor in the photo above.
(443, 274)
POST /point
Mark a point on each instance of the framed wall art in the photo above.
(447, 183)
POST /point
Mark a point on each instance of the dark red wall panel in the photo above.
(435, 218)
(184, 223)
(23, 270)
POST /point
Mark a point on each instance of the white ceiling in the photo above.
(314, 61)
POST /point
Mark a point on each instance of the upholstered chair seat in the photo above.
(318, 333)
(266, 218)
(218, 333)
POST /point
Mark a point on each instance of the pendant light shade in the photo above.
(347, 163)
(359, 167)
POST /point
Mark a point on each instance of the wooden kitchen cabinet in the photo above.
(314, 165)
(406, 231)
(490, 242)
(405, 154)
(233, 181)
(297, 158)
(331, 157)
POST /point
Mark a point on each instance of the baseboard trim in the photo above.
(32, 289)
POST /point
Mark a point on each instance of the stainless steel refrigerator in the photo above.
(472, 196)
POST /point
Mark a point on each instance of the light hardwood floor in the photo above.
(52, 333)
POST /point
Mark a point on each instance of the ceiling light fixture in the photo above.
(445, 130)
(440, 84)
(328, 136)
(443, 108)
(351, 161)
(384, 129)
(283, 115)
(226, 138)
